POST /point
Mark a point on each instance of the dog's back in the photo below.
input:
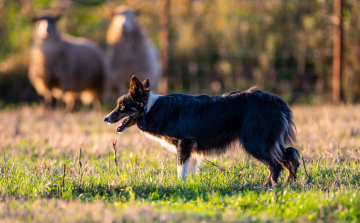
(209, 119)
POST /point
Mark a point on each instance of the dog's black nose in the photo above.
(106, 119)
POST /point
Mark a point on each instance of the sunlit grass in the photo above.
(213, 194)
(144, 187)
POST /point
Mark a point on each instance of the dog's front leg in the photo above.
(183, 170)
(184, 149)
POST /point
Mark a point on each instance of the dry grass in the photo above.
(50, 134)
(331, 132)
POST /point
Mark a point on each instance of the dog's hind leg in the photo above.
(258, 151)
(274, 168)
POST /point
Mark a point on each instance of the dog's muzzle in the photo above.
(108, 120)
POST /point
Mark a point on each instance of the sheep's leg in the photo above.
(43, 90)
(96, 105)
(48, 100)
(59, 104)
(70, 106)
(69, 99)
(58, 94)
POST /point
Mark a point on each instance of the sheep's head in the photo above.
(45, 25)
(124, 18)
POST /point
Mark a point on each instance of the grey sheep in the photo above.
(65, 67)
(130, 52)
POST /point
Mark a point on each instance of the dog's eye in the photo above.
(122, 107)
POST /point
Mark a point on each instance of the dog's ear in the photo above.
(146, 83)
(136, 89)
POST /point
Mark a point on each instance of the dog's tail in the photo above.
(284, 129)
(289, 135)
(289, 157)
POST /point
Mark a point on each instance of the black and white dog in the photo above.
(199, 126)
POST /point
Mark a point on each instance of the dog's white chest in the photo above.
(162, 142)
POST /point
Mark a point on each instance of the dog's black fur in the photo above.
(204, 125)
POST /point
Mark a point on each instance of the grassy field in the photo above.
(144, 187)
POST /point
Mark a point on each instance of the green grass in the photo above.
(213, 195)
(144, 187)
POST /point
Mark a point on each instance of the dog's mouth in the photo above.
(125, 122)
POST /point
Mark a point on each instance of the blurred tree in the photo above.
(338, 46)
(164, 43)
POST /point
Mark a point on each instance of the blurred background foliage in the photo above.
(282, 46)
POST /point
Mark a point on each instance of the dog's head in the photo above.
(130, 106)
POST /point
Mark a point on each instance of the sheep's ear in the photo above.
(146, 83)
(108, 15)
(33, 18)
(136, 89)
(57, 16)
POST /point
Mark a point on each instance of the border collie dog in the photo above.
(199, 126)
